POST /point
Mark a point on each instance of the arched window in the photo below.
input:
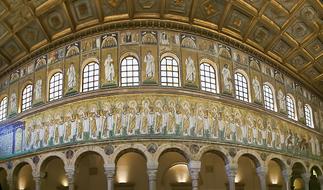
(308, 116)
(90, 77)
(3, 108)
(169, 72)
(208, 78)
(269, 98)
(27, 97)
(290, 104)
(129, 73)
(241, 87)
(56, 86)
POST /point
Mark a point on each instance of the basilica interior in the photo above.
(161, 95)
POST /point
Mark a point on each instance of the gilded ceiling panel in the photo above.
(282, 48)
(238, 21)
(55, 20)
(147, 6)
(283, 31)
(315, 47)
(114, 7)
(12, 48)
(298, 60)
(32, 34)
(210, 10)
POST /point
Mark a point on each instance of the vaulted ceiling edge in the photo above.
(286, 33)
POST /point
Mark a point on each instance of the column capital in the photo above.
(69, 169)
(231, 169)
(306, 177)
(110, 170)
(287, 173)
(194, 165)
(152, 165)
(35, 174)
(262, 170)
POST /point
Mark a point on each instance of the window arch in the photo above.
(129, 72)
(291, 108)
(308, 116)
(56, 86)
(208, 78)
(269, 98)
(90, 77)
(27, 94)
(3, 108)
(241, 86)
(169, 72)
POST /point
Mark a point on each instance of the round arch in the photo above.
(84, 150)
(182, 149)
(46, 157)
(274, 93)
(121, 150)
(219, 151)
(215, 67)
(252, 155)
(171, 54)
(278, 159)
(245, 75)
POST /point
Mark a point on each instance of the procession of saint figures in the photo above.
(147, 118)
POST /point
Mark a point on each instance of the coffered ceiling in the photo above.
(289, 31)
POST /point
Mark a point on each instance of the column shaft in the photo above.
(287, 174)
(306, 178)
(70, 174)
(195, 167)
(37, 183)
(110, 172)
(152, 177)
(231, 170)
(262, 174)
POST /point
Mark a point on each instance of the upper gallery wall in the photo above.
(285, 33)
(158, 59)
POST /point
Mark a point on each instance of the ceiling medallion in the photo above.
(55, 20)
(308, 13)
(299, 30)
(209, 8)
(147, 4)
(113, 3)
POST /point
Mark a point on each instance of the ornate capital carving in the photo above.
(109, 170)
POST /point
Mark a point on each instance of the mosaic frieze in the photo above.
(167, 116)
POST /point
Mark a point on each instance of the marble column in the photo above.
(70, 174)
(306, 178)
(287, 174)
(152, 169)
(110, 170)
(37, 180)
(195, 168)
(262, 174)
(231, 170)
(11, 182)
(320, 178)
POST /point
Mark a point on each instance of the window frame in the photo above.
(4, 108)
(27, 97)
(247, 87)
(60, 84)
(94, 73)
(308, 116)
(293, 102)
(215, 78)
(135, 73)
(168, 82)
(273, 96)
